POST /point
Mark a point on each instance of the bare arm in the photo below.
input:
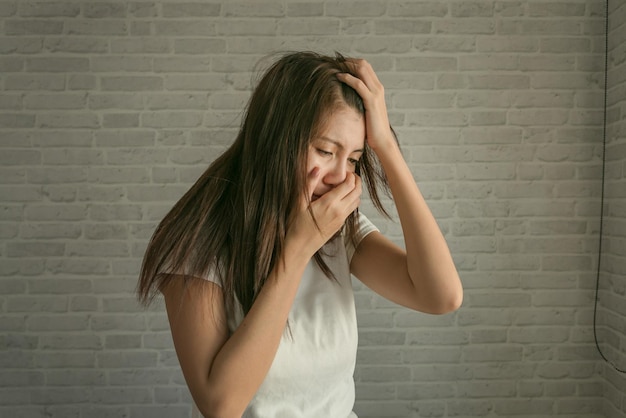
(424, 276)
(223, 373)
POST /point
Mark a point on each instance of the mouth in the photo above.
(314, 197)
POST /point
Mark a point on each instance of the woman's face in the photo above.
(335, 151)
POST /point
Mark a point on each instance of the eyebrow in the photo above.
(339, 144)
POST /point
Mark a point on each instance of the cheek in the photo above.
(314, 160)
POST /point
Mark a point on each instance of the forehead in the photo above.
(345, 126)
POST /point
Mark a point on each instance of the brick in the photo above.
(112, 63)
(199, 46)
(472, 9)
(21, 378)
(319, 26)
(447, 44)
(17, 120)
(159, 411)
(15, 45)
(8, 9)
(454, 338)
(104, 10)
(125, 341)
(11, 64)
(83, 304)
(73, 377)
(15, 397)
(95, 27)
(417, 9)
(507, 44)
(185, 27)
(305, 9)
(437, 119)
(123, 359)
(559, 9)
(35, 82)
(182, 64)
(537, 117)
(131, 83)
(426, 64)
(33, 27)
(547, 63)
(52, 323)
(551, 27)
(11, 102)
(171, 119)
(31, 249)
(141, 46)
(44, 9)
(139, 28)
(184, 9)
(499, 81)
(68, 120)
(81, 82)
(120, 120)
(526, 407)
(142, 9)
(542, 99)
(401, 26)
(122, 396)
(376, 45)
(565, 45)
(115, 101)
(55, 101)
(354, 9)
(470, 27)
(59, 396)
(256, 9)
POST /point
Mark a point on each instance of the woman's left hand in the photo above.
(364, 81)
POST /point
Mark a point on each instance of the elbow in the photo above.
(220, 408)
(213, 412)
(446, 302)
(452, 300)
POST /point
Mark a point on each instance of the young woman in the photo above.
(255, 260)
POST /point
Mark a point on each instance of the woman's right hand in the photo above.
(318, 221)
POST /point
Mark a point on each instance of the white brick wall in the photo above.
(109, 111)
(612, 299)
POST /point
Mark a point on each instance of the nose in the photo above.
(336, 174)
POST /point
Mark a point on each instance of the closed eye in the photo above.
(324, 152)
(353, 161)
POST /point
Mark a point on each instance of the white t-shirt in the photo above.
(312, 373)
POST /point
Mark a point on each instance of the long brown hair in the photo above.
(233, 221)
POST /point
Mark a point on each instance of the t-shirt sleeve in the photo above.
(210, 276)
(364, 227)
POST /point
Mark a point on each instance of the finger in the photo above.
(346, 187)
(338, 193)
(356, 83)
(363, 70)
(353, 199)
(348, 196)
(310, 181)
